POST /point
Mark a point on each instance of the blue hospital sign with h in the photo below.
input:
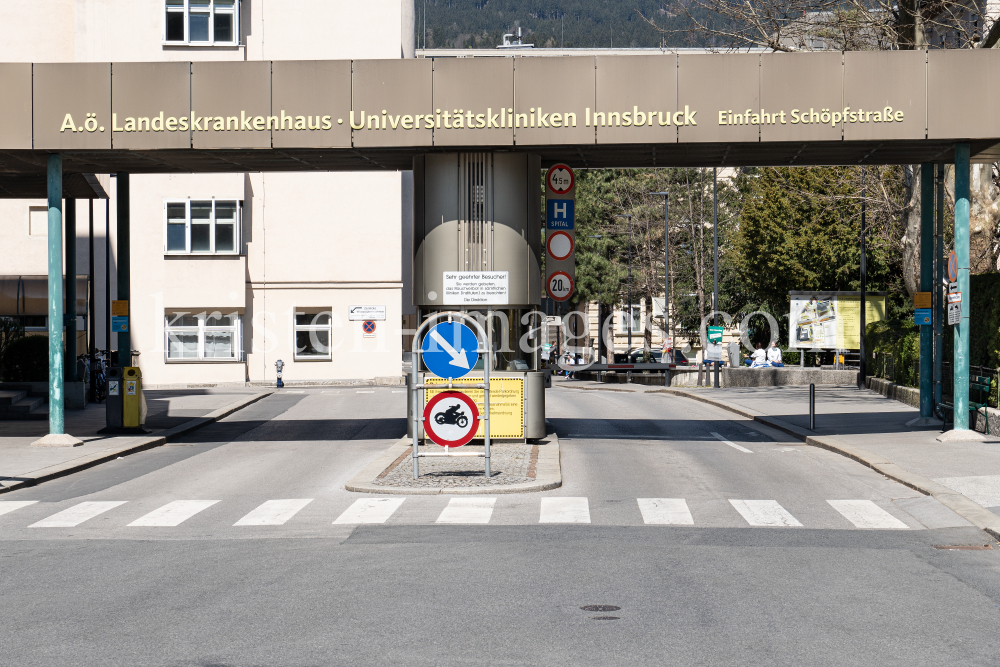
(559, 214)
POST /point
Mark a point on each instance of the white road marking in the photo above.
(370, 510)
(564, 510)
(866, 514)
(399, 391)
(731, 444)
(7, 506)
(273, 512)
(173, 513)
(77, 514)
(329, 392)
(764, 513)
(295, 391)
(468, 510)
(366, 392)
(982, 489)
(665, 511)
(591, 436)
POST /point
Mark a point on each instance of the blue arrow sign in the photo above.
(450, 350)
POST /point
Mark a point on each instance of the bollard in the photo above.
(812, 407)
(700, 366)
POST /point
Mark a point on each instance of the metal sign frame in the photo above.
(418, 391)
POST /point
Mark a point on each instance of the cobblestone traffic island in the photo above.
(516, 467)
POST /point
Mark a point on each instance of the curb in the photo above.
(548, 474)
(971, 511)
(133, 447)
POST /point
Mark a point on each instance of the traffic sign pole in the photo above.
(417, 391)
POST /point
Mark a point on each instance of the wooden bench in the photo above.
(979, 394)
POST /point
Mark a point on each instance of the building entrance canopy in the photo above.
(588, 111)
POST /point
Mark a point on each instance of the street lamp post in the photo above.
(666, 274)
(629, 218)
(601, 343)
(715, 263)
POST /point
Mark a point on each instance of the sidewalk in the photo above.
(871, 429)
(170, 414)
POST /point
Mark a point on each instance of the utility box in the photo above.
(113, 406)
(131, 390)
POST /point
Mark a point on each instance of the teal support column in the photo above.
(70, 318)
(57, 425)
(124, 337)
(926, 282)
(961, 362)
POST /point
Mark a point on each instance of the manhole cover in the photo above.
(963, 547)
(604, 618)
(600, 607)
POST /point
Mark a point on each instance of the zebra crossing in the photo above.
(462, 510)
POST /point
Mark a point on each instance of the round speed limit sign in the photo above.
(560, 179)
(560, 286)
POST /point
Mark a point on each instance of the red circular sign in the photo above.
(559, 245)
(451, 419)
(560, 179)
(952, 267)
(559, 286)
(368, 326)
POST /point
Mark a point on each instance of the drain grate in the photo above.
(600, 607)
(963, 547)
(605, 618)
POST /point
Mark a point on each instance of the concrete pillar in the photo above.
(124, 337)
(961, 360)
(70, 343)
(926, 283)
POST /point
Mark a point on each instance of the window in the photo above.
(312, 334)
(636, 319)
(38, 221)
(201, 22)
(201, 227)
(206, 336)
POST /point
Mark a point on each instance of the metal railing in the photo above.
(887, 367)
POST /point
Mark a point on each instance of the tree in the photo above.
(604, 200)
(857, 25)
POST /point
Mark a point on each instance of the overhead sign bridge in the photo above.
(589, 111)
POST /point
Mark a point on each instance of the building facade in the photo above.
(230, 272)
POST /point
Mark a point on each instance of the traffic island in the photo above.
(517, 467)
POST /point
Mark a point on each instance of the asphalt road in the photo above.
(764, 563)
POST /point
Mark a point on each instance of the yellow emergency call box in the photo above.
(131, 392)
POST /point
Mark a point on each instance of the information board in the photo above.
(831, 321)
(476, 288)
(506, 404)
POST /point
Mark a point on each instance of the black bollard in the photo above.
(812, 407)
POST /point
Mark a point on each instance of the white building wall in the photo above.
(329, 240)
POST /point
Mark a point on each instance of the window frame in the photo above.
(237, 231)
(296, 328)
(236, 329)
(186, 9)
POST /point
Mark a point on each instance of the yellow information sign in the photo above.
(119, 308)
(922, 300)
(506, 404)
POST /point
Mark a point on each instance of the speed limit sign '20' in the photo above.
(560, 286)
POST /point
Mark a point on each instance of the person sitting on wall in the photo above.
(774, 354)
(759, 358)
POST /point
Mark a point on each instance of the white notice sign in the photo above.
(476, 288)
(366, 313)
